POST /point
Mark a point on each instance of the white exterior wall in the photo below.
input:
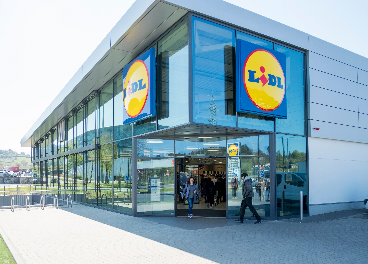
(338, 176)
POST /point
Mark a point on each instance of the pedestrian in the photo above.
(190, 192)
(248, 193)
(234, 186)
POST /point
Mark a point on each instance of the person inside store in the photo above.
(248, 194)
(268, 185)
(210, 191)
(234, 186)
(190, 192)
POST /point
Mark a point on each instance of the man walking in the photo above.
(247, 199)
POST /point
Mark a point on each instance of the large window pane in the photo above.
(123, 175)
(106, 114)
(155, 194)
(255, 40)
(106, 175)
(200, 146)
(172, 74)
(70, 133)
(54, 143)
(48, 145)
(91, 191)
(295, 94)
(90, 122)
(120, 131)
(79, 178)
(214, 76)
(291, 177)
(79, 129)
(144, 126)
(155, 148)
(61, 172)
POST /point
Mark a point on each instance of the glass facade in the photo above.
(291, 174)
(173, 77)
(213, 74)
(133, 169)
(253, 158)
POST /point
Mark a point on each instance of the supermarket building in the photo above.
(206, 89)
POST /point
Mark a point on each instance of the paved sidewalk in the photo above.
(84, 234)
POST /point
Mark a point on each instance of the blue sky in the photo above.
(44, 42)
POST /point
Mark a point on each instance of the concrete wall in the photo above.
(338, 178)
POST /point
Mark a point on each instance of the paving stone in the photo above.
(83, 234)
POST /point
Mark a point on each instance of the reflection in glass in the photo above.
(123, 175)
(214, 77)
(155, 193)
(255, 40)
(36, 173)
(291, 174)
(54, 143)
(106, 114)
(79, 190)
(248, 145)
(79, 129)
(70, 133)
(144, 126)
(172, 74)
(90, 178)
(106, 170)
(295, 94)
(90, 122)
(155, 148)
(256, 122)
(201, 146)
(70, 163)
(258, 169)
(61, 175)
(48, 151)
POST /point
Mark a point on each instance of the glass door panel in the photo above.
(258, 169)
(155, 188)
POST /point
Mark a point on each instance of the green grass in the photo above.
(5, 255)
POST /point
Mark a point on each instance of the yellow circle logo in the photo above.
(264, 80)
(136, 87)
(232, 150)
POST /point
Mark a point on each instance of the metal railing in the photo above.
(35, 198)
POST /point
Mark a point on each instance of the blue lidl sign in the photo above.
(261, 80)
(139, 88)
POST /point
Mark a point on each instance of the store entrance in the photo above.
(210, 175)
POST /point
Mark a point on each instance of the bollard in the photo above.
(57, 202)
(67, 200)
(12, 204)
(301, 205)
(42, 204)
(71, 203)
(28, 204)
